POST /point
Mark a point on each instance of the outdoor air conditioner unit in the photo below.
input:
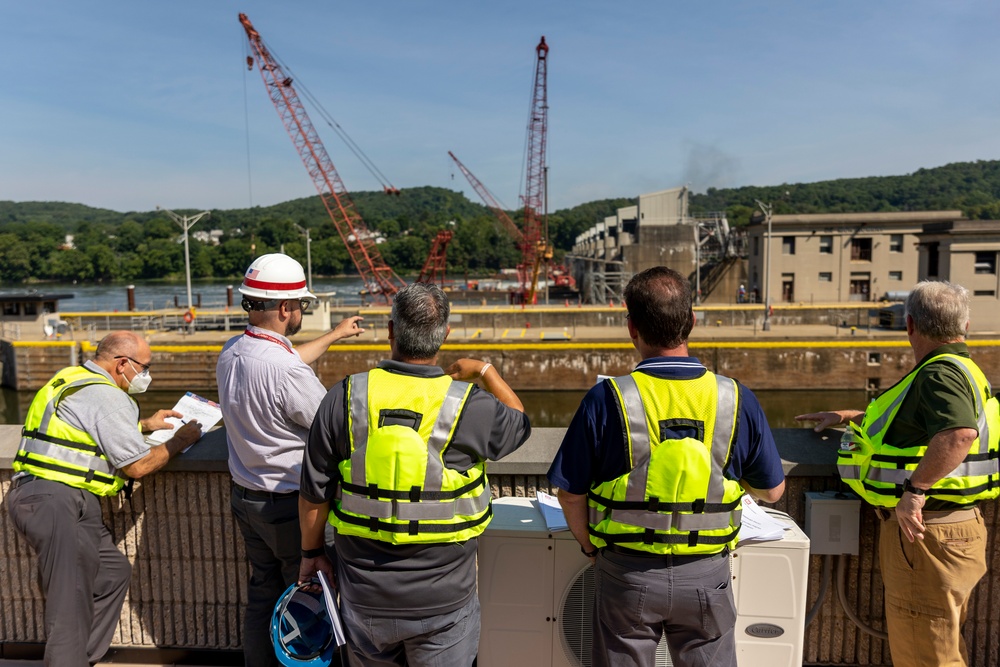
(536, 591)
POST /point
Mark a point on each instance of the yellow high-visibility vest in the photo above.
(395, 486)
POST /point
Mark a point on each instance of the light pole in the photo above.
(766, 210)
(309, 257)
(186, 222)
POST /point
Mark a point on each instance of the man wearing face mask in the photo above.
(269, 396)
(82, 439)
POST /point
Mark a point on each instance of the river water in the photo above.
(544, 408)
(210, 294)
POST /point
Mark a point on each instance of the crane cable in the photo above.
(335, 126)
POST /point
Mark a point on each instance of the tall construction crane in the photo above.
(434, 267)
(531, 237)
(378, 277)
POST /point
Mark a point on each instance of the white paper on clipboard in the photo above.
(332, 611)
(194, 408)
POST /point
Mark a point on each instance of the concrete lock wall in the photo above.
(189, 572)
(851, 363)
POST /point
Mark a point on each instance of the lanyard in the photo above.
(263, 336)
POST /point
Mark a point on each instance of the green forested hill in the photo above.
(972, 187)
(108, 245)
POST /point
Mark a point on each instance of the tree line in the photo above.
(109, 246)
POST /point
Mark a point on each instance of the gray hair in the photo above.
(940, 310)
(420, 320)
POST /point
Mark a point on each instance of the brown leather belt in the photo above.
(936, 516)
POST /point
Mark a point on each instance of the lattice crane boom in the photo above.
(491, 202)
(536, 246)
(357, 238)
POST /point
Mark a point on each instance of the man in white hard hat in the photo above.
(269, 396)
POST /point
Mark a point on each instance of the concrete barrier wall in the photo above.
(189, 574)
(775, 364)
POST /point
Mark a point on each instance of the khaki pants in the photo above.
(928, 584)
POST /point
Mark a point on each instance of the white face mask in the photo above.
(140, 382)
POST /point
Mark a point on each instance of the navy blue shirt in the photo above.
(593, 450)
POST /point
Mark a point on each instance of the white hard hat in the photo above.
(275, 276)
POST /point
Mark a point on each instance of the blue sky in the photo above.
(131, 104)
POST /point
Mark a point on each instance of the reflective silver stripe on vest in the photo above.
(879, 424)
(420, 511)
(638, 437)
(359, 427)
(982, 427)
(849, 471)
(50, 407)
(722, 432)
(664, 522)
(66, 455)
(897, 475)
(438, 440)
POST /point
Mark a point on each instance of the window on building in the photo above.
(986, 262)
(933, 259)
(756, 246)
(787, 245)
(874, 358)
(825, 277)
(895, 243)
(826, 245)
(31, 308)
(984, 292)
(861, 250)
(895, 275)
(10, 308)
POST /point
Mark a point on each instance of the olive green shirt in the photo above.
(938, 400)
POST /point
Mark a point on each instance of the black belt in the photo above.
(21, 481)
(667, 559)
(263, 495)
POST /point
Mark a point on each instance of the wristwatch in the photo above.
(590, 554)
(313, 553)
(908, 486)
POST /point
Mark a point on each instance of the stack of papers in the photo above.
(758, 525)
(551, 511)
(194, 408)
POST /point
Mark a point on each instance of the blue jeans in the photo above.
(638, 599)
(447, 640)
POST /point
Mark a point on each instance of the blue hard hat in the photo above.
(300, 629)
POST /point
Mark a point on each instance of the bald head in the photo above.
(121, 344)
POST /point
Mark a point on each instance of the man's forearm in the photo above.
(945, 452)
(574, 507)
(312, 521)
(496, 385)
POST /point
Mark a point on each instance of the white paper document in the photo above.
(194, 408)
(757, 524)
(332, 611)
(551, 511)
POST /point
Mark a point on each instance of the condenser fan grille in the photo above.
(577, 630)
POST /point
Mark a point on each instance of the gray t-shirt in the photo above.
(109, 415)
(408, 581)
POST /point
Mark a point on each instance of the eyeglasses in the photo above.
(145, 367)
(305, 304)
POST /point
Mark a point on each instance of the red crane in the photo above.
(434, 267)
(359, 240)
(531, 237)
(535, 241)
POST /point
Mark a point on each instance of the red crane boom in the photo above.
(535, 242)
(360, 242)
(434, 267)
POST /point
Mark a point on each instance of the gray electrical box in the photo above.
(833, 523)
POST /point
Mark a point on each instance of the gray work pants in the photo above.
(638, 599)
(83, 576)
(445, 640)
(272, 539)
